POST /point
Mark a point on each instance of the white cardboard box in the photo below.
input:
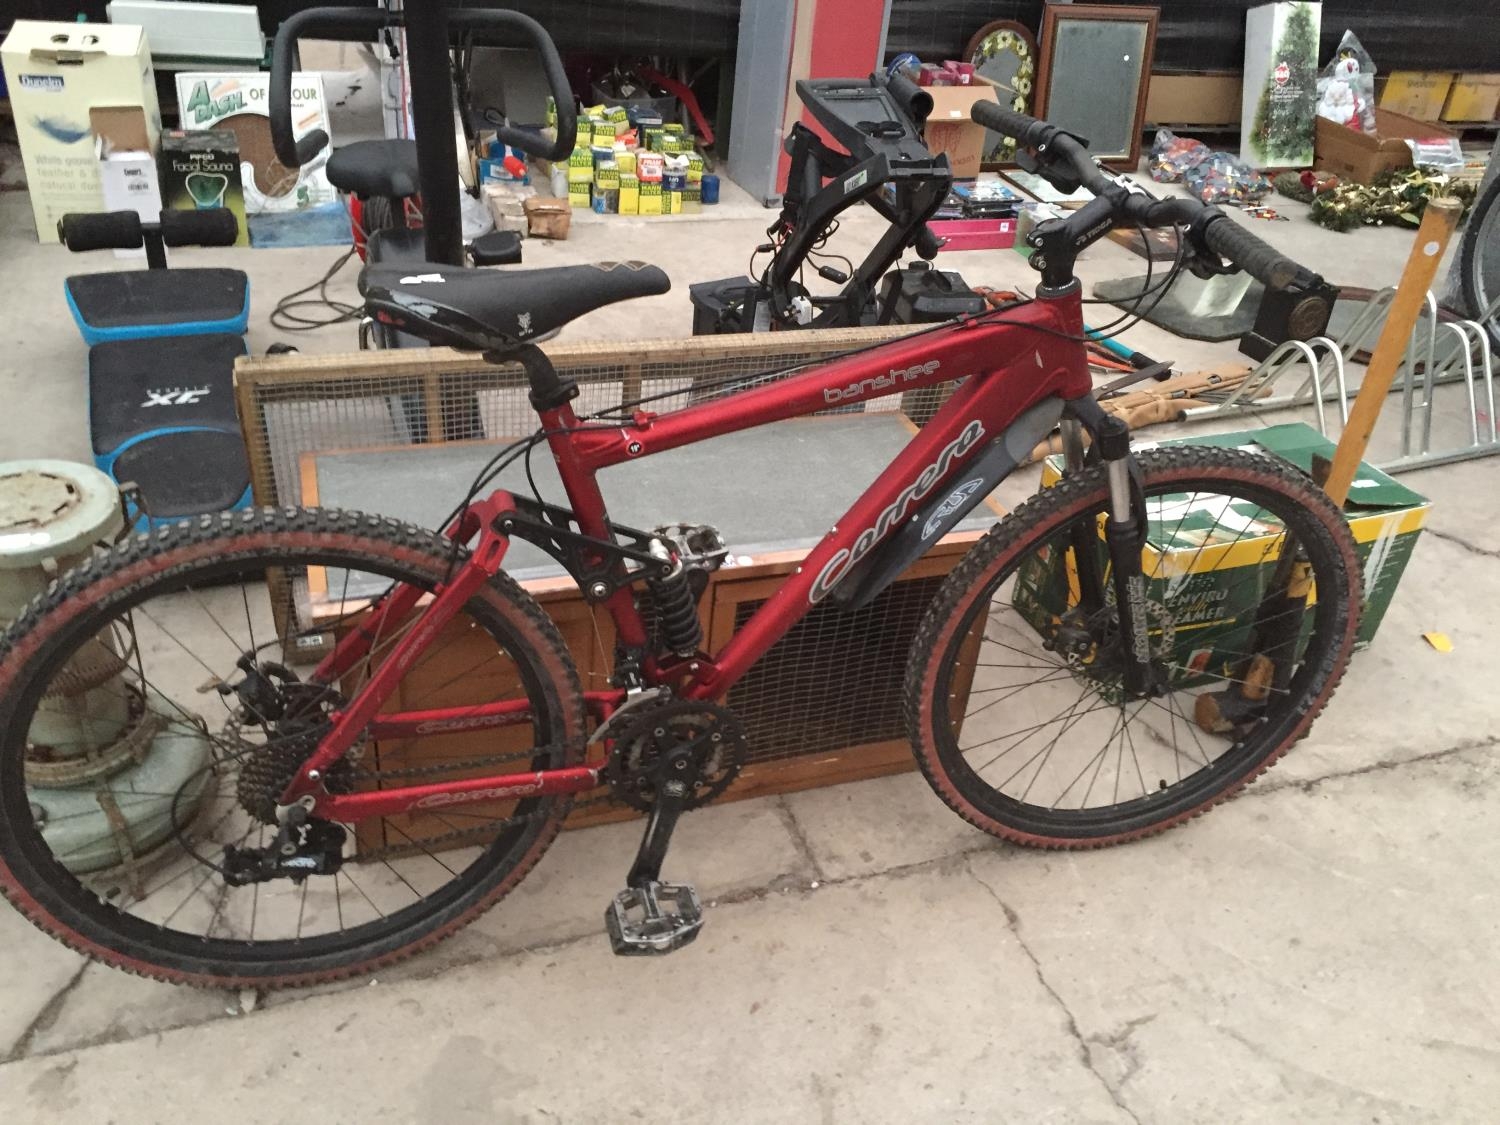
(128, 176)
(238, 100)
(57, 73)
(1280, 96)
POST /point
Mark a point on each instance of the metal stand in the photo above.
(1436, 354)
(432, 117)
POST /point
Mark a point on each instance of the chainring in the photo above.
(641, 745)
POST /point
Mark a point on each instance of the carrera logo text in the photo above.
(845, 558)
(876, 383)
(494, 793)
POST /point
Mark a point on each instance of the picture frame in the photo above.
(1003, 54)
(1084, 51)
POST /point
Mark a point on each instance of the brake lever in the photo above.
(1028, 162)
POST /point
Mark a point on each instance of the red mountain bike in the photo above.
(1100, 704)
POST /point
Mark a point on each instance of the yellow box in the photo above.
(671, 202)
(607, 175)
(626, 161)
(1417, 93)
(630, 194)
(695, 168)
(580, 167)
(1474, 97)
(650, 201)
(580, 195)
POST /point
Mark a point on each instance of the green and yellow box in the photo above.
(650, 202)
(1208, 564)
(630, 194)
(695, 167)
(580, 166)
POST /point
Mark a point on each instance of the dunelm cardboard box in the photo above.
(201, 171)
(56, 74)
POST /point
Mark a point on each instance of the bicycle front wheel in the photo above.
(1479, 260)
(153, 708)
(1014, 695)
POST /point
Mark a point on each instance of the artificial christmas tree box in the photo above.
(1280, 98)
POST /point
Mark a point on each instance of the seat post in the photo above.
(548, 389)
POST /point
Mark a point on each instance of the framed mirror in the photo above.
(1094, 61)
(1004, 54)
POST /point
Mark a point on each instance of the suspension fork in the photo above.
(1124, 538)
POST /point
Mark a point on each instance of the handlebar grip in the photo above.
(1228, 239)
(479, 20)
(327, 23)
(916, 101)
(928, 244)
(215, 227)
(1026, 131)
(105, 230)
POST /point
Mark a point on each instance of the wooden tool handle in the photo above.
(1411, 295)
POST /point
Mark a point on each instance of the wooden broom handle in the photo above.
(1411, 295)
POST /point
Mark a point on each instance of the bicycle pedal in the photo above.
(653, 919)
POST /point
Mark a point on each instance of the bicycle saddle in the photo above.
(496, 310)
(376, 168)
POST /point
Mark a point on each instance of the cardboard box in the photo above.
(650, 202)
(1198, 561)
(1279, 98)
(237, 100)
(949, 129)
(1194, 99)
(1416, 93)
(56, 74)
(1354, 155)
(630, 194)
(200, 170)
(127, 166)
(1474, 97)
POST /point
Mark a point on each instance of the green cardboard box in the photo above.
(200, 171)
(1196, 557)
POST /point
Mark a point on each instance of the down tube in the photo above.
(978, 413)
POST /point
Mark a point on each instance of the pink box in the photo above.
(976, 234)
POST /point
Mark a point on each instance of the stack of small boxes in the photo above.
(630, 163)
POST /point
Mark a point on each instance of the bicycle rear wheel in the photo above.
(125, 773)
(1013, 694)
(1479, 260)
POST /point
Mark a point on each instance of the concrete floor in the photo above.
(1320, 949)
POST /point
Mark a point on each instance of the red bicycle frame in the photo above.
(1006, 366)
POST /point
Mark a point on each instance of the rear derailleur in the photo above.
(303, 846)
(666, 760)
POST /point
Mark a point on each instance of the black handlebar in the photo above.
(366, 24)
(324, 23)
(476, 22)
(1213, 230)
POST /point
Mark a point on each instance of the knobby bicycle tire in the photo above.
(42, 641)
(954, 620)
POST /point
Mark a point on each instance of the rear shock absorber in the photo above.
(676, 606)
